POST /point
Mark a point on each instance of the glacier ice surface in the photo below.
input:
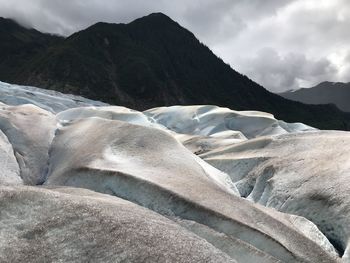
(182, 183)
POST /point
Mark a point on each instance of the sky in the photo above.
(281, 44)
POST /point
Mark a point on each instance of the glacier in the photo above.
(85, 181)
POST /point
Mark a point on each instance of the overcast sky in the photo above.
(281, 44)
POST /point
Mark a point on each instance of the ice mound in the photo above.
(213, 120)
(76, 225)
(109, 113)
(127, 149)
(202, 120)
(149, 167)
(49, 100)
(199, 128)
(9, 169)
(30, 131)
(306, 174)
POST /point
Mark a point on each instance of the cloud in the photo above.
(280, 44)
(307, 42)
(279, 73)
(66, 17)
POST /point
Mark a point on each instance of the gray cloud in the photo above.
(293, 70)
(279, 43)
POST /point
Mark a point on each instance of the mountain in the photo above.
(18, 46)
(337, 93)
(150, 62)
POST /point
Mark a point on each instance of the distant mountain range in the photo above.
(150, 62)
(336, 93)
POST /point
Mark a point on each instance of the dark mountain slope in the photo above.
(326, 92)
(18, 45)
(153, 61)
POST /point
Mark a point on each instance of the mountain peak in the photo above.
(329, 84)
(337, 93)
(3, 19)
(156, 16)
(9, 22)
(155, 19)
(9, 25)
